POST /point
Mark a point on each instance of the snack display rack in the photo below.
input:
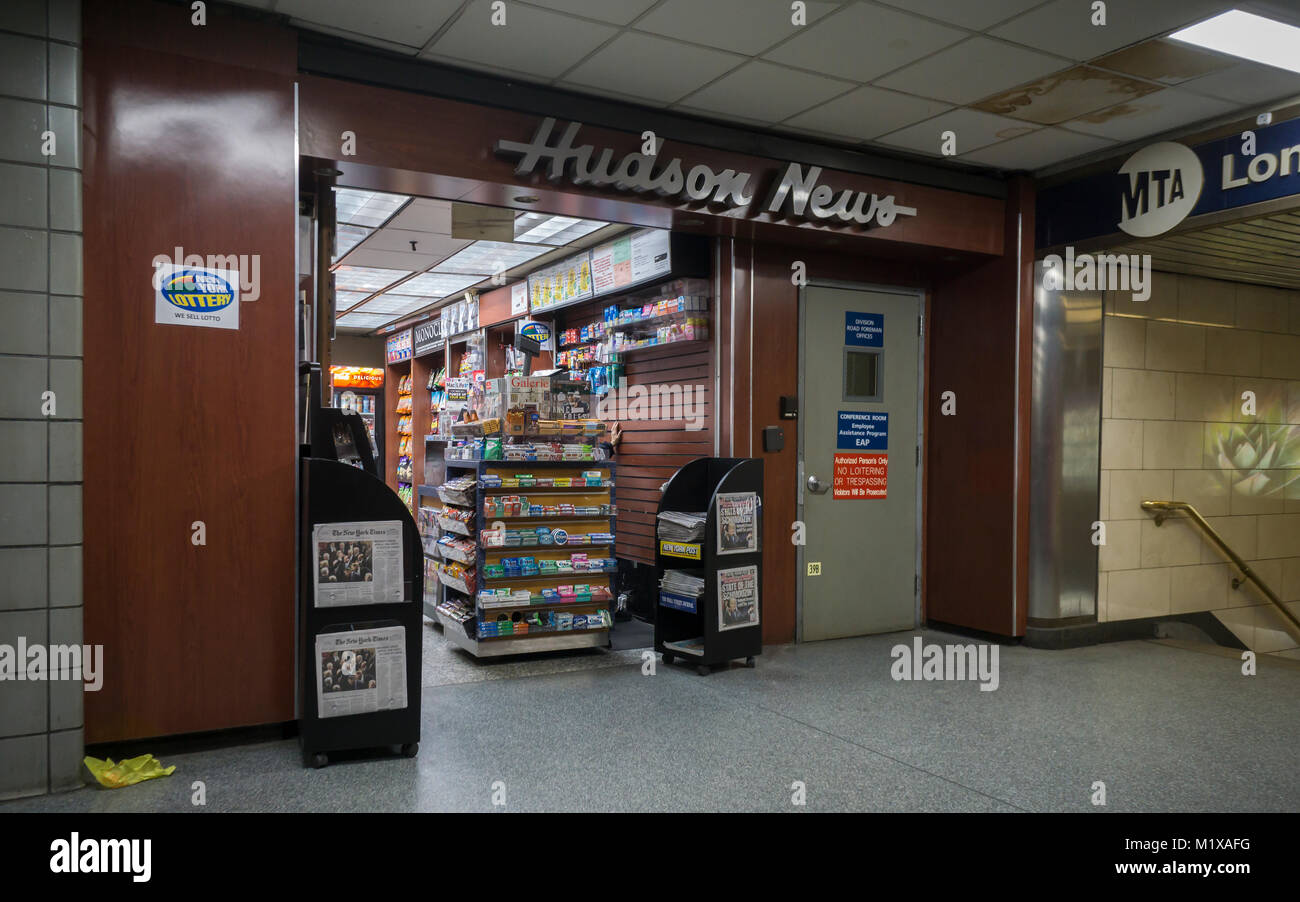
(536, 565)
(405, 440)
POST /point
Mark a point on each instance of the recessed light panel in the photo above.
(543, 228)
(1248, 36)
(365, 278)
(346, 237)
(483, 258)
(363, 320)
(366, 208)
(438, 285)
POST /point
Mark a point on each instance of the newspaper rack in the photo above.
(703, 637)
(332, 492)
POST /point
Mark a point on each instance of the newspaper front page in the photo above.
(358, 563)
(361, 671)
(737, 598)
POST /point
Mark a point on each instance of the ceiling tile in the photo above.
(438, 285)
(532, 40)
(382, 259)
(1163, 111)
(866, 113)
(976, 14)
(619, 12)
(742, 26)
(863, 42)
(439, 247)
(483, 258)
(972, 129)
(1169, 62)
(766, 93)
(1065, 26)
(1066, 95)
(647, 66)
(971, 70)
(363, 278)
(425, 215)
(1034, 151)
(1248, 83)
(407, 22)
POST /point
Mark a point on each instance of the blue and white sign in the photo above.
(1163, 184)
(862, 430)
(866, 330)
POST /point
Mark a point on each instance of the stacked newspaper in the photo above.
(681, 526)
(679, 582)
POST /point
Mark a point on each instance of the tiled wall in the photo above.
(1173, 428)
(40, 350)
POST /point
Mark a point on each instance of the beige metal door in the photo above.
(859, 460)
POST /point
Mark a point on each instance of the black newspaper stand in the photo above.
(704, 636)
(335, 491)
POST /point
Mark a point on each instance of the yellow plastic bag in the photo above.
(128, 771)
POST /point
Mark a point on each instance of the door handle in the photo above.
(816, 486)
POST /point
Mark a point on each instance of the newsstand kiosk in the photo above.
(359, 592)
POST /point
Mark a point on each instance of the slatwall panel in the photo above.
(651, 451)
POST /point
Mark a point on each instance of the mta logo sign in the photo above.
(1162, 184)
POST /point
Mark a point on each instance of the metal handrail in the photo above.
(1163, 507)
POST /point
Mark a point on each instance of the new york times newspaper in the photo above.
(361, 671)
(357, 563)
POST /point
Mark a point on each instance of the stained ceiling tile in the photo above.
(1065, 26)
(407, 22)
(765, 93)
(1065, 95)
(973, 69)
(975, 14)
(741, 26)
(644, 65)
(863, 42)
(971, 129)
(1170, 62)
(532, 40)
(1037, 150)
(866, 113)
(1159, 112)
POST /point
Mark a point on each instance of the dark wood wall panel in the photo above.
(189, 142)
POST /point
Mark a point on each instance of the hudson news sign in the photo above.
(1161, 185)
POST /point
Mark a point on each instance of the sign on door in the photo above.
(860, 476)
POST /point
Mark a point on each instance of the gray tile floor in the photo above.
(1166, 728)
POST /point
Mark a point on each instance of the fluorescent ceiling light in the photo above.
(395, 303)
(366, 278)
(483, 258)
(437, 286)
(365, 208)
(542, 228)
(346, 237)
(363, 320)
(1248, 36)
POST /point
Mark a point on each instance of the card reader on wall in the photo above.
(789, 407)
(773, 438)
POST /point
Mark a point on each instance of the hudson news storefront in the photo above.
(841, 288)
(1166, 428)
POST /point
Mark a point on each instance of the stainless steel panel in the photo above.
(1065, 452)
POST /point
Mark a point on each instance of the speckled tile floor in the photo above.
(1166, 728)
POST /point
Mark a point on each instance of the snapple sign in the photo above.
(795, 193)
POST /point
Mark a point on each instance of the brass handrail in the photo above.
(1163, 507)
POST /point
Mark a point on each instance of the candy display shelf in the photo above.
(523, 603)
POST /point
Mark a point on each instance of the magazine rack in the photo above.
(695, 488)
